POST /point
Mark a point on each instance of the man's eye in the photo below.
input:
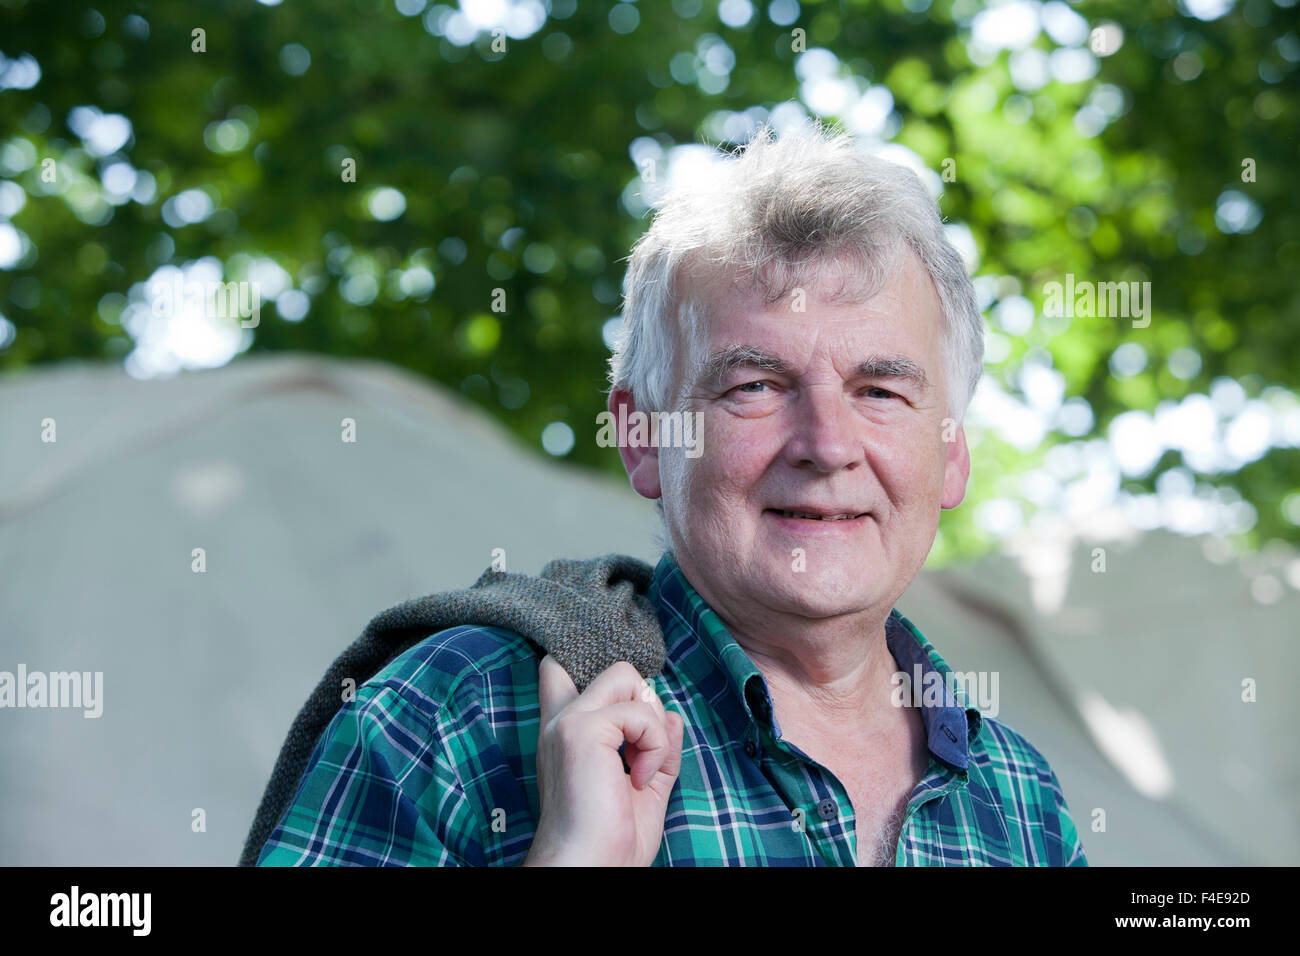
(750, 387)
(874, 392)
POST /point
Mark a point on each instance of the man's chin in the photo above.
(820, 593)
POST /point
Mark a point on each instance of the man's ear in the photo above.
(642, 463)
(956, 469)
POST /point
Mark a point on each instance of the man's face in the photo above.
(836, 410)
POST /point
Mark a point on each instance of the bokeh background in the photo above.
(436, 202)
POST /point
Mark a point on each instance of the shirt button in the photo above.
(751, 748)
(828, 809)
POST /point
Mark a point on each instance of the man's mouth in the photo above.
(818, 516)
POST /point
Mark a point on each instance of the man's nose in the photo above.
(825, 431)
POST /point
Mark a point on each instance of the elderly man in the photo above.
(799, 305)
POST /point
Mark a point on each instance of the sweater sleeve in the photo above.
(380, 789)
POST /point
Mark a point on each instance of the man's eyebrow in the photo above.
(727, 360)
(894, 366)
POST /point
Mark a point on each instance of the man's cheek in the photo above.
(729, 461)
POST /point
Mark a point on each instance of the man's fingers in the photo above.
(648, 744)
(555, 688)
(671, 764)
(615, 684)
(676, 727)
(624, 700)
(651, 696)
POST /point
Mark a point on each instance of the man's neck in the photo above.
(835, 675)
(832, 671)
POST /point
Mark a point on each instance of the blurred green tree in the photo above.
(461, 201)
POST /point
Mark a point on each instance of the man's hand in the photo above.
(593, 813)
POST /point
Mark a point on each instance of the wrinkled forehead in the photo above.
(709, 292)
(846, 277)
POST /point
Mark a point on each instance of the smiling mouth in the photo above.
(806, 516)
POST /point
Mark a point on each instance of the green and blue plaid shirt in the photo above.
(434, 763)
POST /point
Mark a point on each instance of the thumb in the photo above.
(666, 778)
(555, 689)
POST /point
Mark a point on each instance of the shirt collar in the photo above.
(683, 613)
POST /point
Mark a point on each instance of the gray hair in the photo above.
(781, 210)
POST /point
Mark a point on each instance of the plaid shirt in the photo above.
(434, 763)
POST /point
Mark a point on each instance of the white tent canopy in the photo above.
(1130, 681)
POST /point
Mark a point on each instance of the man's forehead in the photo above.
(719, 287)
(903, 315)
(729, 292)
